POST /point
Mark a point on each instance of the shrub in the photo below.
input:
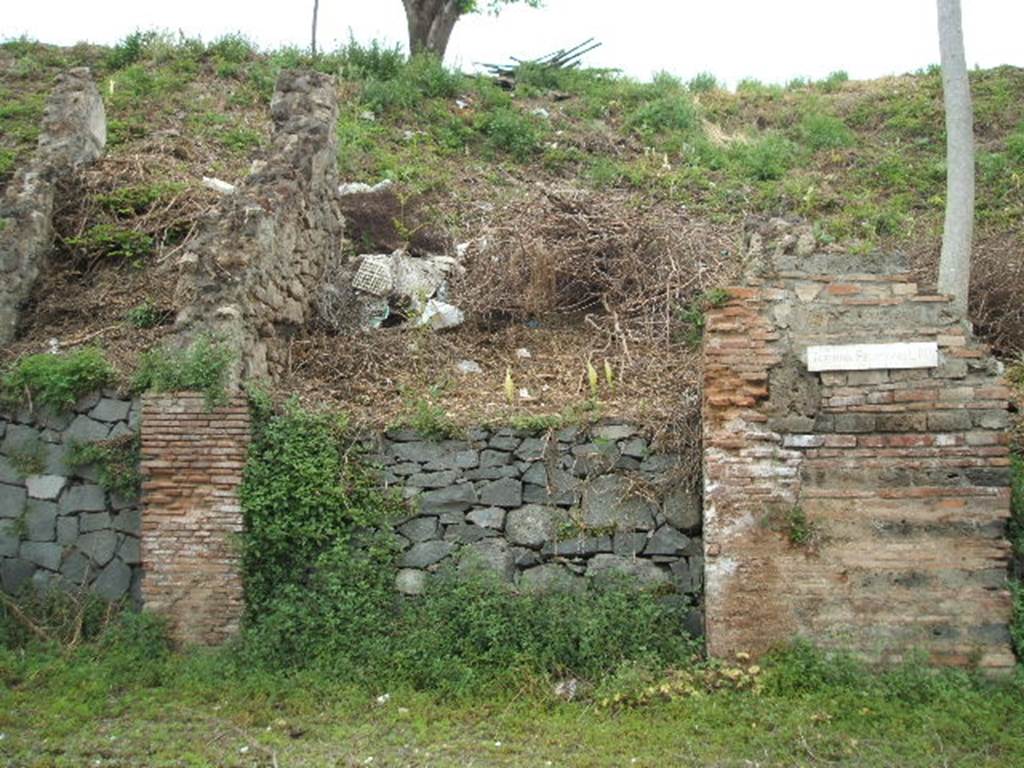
(670, 110)
(233, 48)
(703, 82)
(509, 130)
(56, 381)
(53, 616)
(834, 81)
(111, 241)
(130, 50)
(764, 159)
(303, 495)
(204, 366)
(319, 569)
(371, 62)
(423, 77)
(825, 132)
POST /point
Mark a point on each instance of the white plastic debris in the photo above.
(53, 346)
(523, 353)
(384, 698)
(367, 115)
(524, 394)
(374, 275)
(218, 185)
(461, 103)
(439, 315)
(361, 188)
(541, 112)
(467, 367)
(461, 249)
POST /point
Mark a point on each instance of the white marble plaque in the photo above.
(870, 357)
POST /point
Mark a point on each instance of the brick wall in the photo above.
(865, 509)
(192, 461)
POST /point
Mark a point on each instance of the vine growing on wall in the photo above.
(304, 493)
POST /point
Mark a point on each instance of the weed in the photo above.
(794, 525)
(703, 82)
(671, 111)
(8, 157)
(28, 458)
(55, 381)
(573, 415)
(109, 241)
(820, 131)
(116, 462)
(240, 139)
(834, 81)
(763, 159)
(693, 315)
(146, 315)
(508, 130)
(139, 198)
(204, 366)
(232, 48)
(130, 50)
(423, 414)
(1015, 146)
(371, 62)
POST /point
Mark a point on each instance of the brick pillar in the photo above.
(192, 462)
(860, 509)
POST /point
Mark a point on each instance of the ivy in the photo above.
(303, 494)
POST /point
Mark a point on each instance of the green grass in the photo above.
(205, 708)
(863, 160)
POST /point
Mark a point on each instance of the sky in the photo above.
(771, 40)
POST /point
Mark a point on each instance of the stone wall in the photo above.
(57, 524)
(250, 273)
(192, 461)
(547, 510)
(74, 133)
(863, 509)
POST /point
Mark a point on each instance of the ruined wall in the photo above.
(546, 510)
(58, 525)
(192, 461)
(250, 274)
(74, 133)
(863, 509)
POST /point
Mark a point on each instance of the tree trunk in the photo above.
(955, 262)
(430, 24)
(316, 9)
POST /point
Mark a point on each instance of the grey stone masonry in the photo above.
(545, 511)
(74, 133)
(60, 527)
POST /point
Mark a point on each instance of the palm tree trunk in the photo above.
(955, 262)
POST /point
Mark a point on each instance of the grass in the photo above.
(784, 149)
(204, 708)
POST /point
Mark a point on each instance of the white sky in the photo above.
(772, 40)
